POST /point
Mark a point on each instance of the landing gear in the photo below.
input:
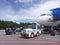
(53, 33)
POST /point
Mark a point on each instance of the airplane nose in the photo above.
(39, 20)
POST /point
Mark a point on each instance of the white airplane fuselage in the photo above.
(47, 20)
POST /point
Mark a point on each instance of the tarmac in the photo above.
(16, 39)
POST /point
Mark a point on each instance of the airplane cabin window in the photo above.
(46, 14)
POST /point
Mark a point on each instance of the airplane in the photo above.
(47, 20)
(50, 20)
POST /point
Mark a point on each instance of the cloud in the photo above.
(43, 8)
(32, 13)
(36, 11)
(24, 1)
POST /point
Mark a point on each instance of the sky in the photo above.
(25, 10)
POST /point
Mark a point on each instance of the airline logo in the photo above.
(50, 20)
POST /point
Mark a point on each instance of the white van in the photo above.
(29, 32)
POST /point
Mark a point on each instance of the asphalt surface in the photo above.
(2, 32)
(53, 38)
(16, 39)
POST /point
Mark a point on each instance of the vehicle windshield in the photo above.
(46, 14)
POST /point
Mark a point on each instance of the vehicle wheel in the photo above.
(32, 35)
(37, 33)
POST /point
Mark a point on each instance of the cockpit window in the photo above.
(46, 14)
(43, 14)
